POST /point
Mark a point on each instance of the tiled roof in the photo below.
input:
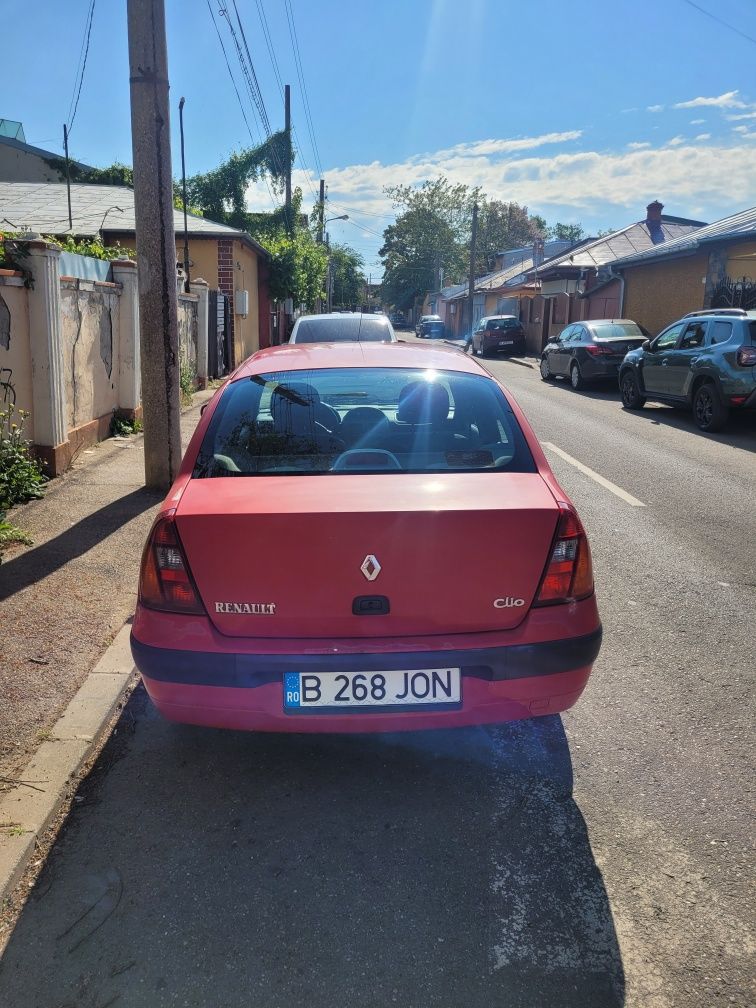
(739, 225)
(620, 244)
(42, 207)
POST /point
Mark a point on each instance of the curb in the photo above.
(27, 810)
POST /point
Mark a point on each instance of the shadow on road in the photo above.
(206, 868)
(32, 565)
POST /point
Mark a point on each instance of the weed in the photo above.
(21, 476)
(187, 382)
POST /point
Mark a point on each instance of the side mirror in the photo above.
(646, 345)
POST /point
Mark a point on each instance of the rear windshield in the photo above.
(342, 420)
(351, 328)
(617, 330)
(433, 326)
(503, 323)
(752, 327)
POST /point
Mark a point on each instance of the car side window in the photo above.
(579, 334)
(719, 332)
(668, 339)
(566, 334)
(693, 336)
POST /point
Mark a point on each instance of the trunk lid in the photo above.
(448, 546)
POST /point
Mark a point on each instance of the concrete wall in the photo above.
(657, 293)
(15, 350)
(90, 328)
(24, 166)
(188, 329)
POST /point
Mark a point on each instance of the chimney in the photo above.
(654, 221)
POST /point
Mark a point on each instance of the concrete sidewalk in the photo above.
(63, 600)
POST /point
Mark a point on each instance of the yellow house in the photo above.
(712, 267)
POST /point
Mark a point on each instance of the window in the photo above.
(668, 339)
(719, 332)
(693, 336)
(369, 420)
(566, 334)
(617, 330)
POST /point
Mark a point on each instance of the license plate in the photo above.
(350, 690)
(506, 342)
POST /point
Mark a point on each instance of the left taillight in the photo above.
(569, 571)
(165, 581)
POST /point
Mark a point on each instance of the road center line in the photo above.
(596, 477)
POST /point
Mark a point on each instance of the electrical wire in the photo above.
(276, 203)
(83, 63)
(300, 74)
(721, 21)
(276, 70)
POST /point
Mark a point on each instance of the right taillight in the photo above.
(569, 572)
(747, 356)
(165, 581)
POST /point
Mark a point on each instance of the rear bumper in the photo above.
(244, 689)
(492, 345)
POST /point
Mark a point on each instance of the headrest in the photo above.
(291, 414)
(423, 403)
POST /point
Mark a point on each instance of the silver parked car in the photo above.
(336, 327)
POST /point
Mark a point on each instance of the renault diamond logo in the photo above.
(370, 567)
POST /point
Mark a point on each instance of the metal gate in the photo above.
(218, 334)
(734, 294)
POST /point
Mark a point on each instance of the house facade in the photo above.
(712, 267)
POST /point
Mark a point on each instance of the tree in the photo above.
(565, 232)
(432, 235)
(347, 267)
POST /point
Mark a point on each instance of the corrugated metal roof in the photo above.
(739, 225)
(43, 207)
(619, 244)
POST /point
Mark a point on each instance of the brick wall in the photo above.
(658, 293)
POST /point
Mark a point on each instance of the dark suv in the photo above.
(706, 361)
(498, 334)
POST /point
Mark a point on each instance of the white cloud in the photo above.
(637, 145)
(654, 108)
(740, 129)
(741, 115)
(704, 136)
(697, 122)
(727, 100)
(487, 147)
(676, 141)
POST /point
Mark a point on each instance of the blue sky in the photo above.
(584, 111)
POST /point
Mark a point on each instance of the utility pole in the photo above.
(321, 231)
(321, 211)
(68, 176)
(473, 240)
(183, 190)
(287, 111)
(155, 241)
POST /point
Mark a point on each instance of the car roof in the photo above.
(325, 316)
(602, 321)
(306, 356)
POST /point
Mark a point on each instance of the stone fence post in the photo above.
(49, 405)
(129, 366)
(202, 290)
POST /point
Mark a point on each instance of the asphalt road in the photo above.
(600, 859)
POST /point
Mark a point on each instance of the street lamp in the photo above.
(343, 217)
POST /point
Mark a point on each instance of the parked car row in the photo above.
(705, 362)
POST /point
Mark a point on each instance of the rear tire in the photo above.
(576, 379)
(545, 370)
(709, 412)
(631, 393)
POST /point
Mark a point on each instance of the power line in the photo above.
(721, 21)
(248, 72)
(276, 70)
(365, 213)
(83, 63)
(300, 74)
(273, 200)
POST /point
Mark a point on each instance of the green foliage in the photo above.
(121, 427)
(433, 234)
(566, 232)
(115, 174)
(91, 247)
(21, 476)
(187, 382)
(348, 277)
(221, 194)
(299, 266)
(10, 534)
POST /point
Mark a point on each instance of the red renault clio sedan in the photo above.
(364, 537)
